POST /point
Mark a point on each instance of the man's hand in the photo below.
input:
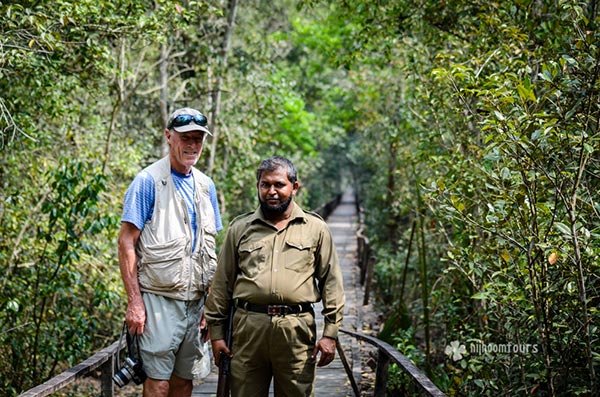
(204, 334)
(326, 346)
(218, 346)
(135, 317)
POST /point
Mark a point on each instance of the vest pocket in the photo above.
(205, 264)
(162, 266)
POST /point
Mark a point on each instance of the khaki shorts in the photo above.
(170, 342)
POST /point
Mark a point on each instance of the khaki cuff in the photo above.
(216, 332)
(330, 330)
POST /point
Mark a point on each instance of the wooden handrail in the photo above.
(104, 360)
(326, 209)
(386, 353)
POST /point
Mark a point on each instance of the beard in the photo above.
(276, 210)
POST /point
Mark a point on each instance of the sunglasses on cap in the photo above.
(185, 119)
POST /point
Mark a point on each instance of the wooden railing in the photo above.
(326, 209)
(386, 354)
(364, 256)
(104, 361)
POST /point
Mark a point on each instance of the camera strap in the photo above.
(123, 330)
(130, 340)
(133, 342)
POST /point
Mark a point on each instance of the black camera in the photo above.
(132, 368)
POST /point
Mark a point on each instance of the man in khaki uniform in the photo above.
(274, 264)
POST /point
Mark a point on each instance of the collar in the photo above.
(297, 214)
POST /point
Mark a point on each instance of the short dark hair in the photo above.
(276, 162)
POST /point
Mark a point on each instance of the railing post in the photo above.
(364, 252)
(360, 240)
(106, 374)
(381, 376)
(369, 277)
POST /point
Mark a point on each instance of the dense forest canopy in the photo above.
(469, 129)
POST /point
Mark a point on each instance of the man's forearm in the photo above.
(128, 268)
(128, 238)
(136, 313)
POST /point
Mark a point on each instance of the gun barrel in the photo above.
(224, 360)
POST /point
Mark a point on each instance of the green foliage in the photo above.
(86, 89)
(287, 102)
(496, 106)
(470, 129)
(56, 294)
(534, 210)
(399, 384)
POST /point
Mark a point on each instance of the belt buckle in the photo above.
(277, 310)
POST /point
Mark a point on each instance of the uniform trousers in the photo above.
(273, 347)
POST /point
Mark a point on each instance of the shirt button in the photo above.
(275, 270)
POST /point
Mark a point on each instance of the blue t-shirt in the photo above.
(138, 206)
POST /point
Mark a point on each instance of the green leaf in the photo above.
(564, 229)
(481, 296)
(526, 93)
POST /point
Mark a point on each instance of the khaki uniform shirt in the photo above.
(262, 265)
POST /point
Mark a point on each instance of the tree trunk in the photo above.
(232, 10)
(164, 92)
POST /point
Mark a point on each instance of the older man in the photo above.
(167, 256)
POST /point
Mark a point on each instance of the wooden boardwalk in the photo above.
(331, 380)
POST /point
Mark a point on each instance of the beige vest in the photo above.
(166, 264)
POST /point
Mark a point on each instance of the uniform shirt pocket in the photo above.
(299, 255)
(252, 258)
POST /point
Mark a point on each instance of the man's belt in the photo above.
(276, 310)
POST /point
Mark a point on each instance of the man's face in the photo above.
(275, 191)
(186, 148)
